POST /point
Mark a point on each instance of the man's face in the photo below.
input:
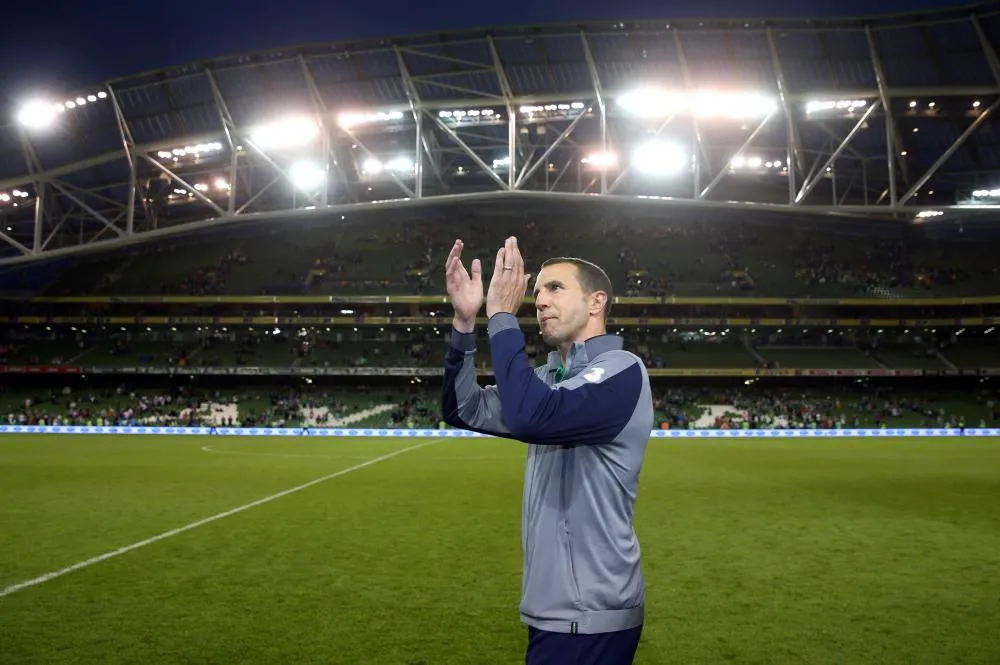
(561, 306)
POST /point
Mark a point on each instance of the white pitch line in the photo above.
(194, 525)
(210, 449)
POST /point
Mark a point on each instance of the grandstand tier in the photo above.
(646, 255)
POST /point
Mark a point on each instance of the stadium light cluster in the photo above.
(349, 120)
(840, 105)
(660, 158)
(39, 114)
(292, 132)
(375, 166)
(561, 110)
(14, 198)
(657, 103)
(928, 214)
(195, 151)
(600, 160)
(984, 194)
(741, 163)
(217, 186)
(307, 176)
(469, 115)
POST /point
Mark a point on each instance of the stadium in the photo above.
(225, 323)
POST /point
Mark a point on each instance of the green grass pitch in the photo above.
(756, 551)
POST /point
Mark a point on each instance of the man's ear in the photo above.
(598, 299)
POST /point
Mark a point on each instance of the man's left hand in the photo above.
(509, 283)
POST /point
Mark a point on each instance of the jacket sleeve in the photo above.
(464, 403)
(590, 408)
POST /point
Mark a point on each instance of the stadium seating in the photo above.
(683, 259)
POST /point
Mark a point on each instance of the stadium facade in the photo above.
(871, 118)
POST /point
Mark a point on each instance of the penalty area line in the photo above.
(14, 588)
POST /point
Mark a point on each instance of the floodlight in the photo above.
(287, 133)
(399, 165)
(651, 102)
(660, 158)
(600, 159)
(349, 120)
(307, 175)
(36, 114)
(731, 105)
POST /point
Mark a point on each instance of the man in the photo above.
(586, 416)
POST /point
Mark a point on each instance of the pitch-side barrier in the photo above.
(459, 433)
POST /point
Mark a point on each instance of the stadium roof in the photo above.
(872, 117)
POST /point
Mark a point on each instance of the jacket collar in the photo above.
(582, 353)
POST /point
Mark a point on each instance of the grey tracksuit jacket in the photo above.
(586, 439)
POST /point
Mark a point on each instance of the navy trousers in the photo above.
(618, 648)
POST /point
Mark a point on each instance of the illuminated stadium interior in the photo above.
(868, 119)
(799, 221)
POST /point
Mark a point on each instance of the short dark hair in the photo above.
(592, 277)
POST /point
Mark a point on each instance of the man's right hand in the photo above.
(465, 291)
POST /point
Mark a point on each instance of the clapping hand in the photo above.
(509, 283)
(465, 291)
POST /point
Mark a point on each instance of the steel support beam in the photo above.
(36, 241)
(277, 167)
(922, 180)
(508, 96)
(15, 244)
(746, 144)
(409, 192)
(128, 145)
(420, 146)
(826, 130)
(526, 174)
(811, 183)
(696, 126)
(259, 193)
(628, 167)
(229, 127)
(53, 232)
(601, 104)
(893, 145)
(427, 105)
(793, 156)
(987, 46)
(469, 151)
(450, 59)
(331, 148)
(34, 167)
(197, 194)
(98, 216)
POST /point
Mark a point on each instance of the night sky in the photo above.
(49, 46)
